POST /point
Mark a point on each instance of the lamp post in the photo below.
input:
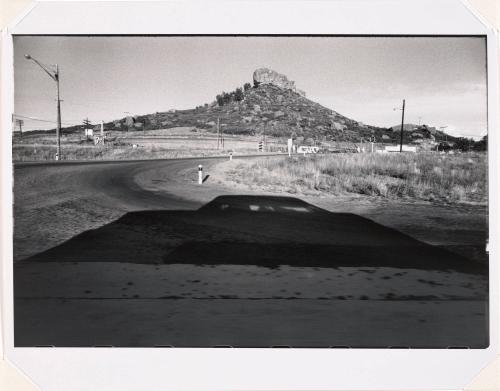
(54, 75)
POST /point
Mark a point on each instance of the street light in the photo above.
(54, 75)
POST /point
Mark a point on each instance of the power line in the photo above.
(44, 120)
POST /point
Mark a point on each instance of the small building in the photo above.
(397, 148)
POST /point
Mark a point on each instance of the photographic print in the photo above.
(250, 191)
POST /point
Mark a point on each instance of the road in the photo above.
(94, 267)
(54, 201)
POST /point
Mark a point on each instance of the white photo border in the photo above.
(248, 369)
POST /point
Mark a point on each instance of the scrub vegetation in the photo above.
(427, 176)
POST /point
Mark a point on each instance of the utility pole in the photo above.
(264, 137)
(58, 130)
(86, 125)
(402, 125)
(372, 141)
(219, 137)
(129, 120)
(442, 128)
(20, 122)
(54, 75)
(221, 133)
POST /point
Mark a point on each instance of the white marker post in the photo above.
(200, 174)
(290, 146)
(230, 156)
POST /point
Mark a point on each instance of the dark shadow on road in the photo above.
(255, 230)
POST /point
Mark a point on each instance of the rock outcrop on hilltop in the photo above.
(273, 107)
(268, 76)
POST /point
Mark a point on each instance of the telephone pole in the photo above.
(220, 136)
(402, 125)
(20, 122)
(86, 125)
(264, 137)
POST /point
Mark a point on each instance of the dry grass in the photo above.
(430, 177)
(169, 143)
(78, 152)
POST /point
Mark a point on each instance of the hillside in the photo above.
(266, 109)
(424, 131)
(272, 107)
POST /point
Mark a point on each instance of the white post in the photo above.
(102, 128)
(290, 146)
(230, 156)
(200, 174)
(372, 146)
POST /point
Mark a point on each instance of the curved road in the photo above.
(54, 201)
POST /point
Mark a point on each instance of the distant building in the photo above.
(396, 148)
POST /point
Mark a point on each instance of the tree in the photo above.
(226, 98)
(220, 99)
(463, 144)
(247, 86)
(481, 145)
(238, 95)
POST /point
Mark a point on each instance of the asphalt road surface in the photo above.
(138, 254)
(53, 201)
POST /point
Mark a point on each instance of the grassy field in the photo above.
(426, 176)
(153, 144)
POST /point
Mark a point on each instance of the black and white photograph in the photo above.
(250, 191)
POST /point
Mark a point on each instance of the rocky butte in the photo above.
(275, 107)
(268, 76)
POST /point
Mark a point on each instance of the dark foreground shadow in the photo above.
(255, 230)
(249, 271)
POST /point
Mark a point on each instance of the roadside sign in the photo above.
(100, 140)
(307, 149)
(260, 146)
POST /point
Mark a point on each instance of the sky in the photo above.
(442, 79)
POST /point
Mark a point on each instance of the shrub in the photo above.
(238, 95)
(430, 177)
